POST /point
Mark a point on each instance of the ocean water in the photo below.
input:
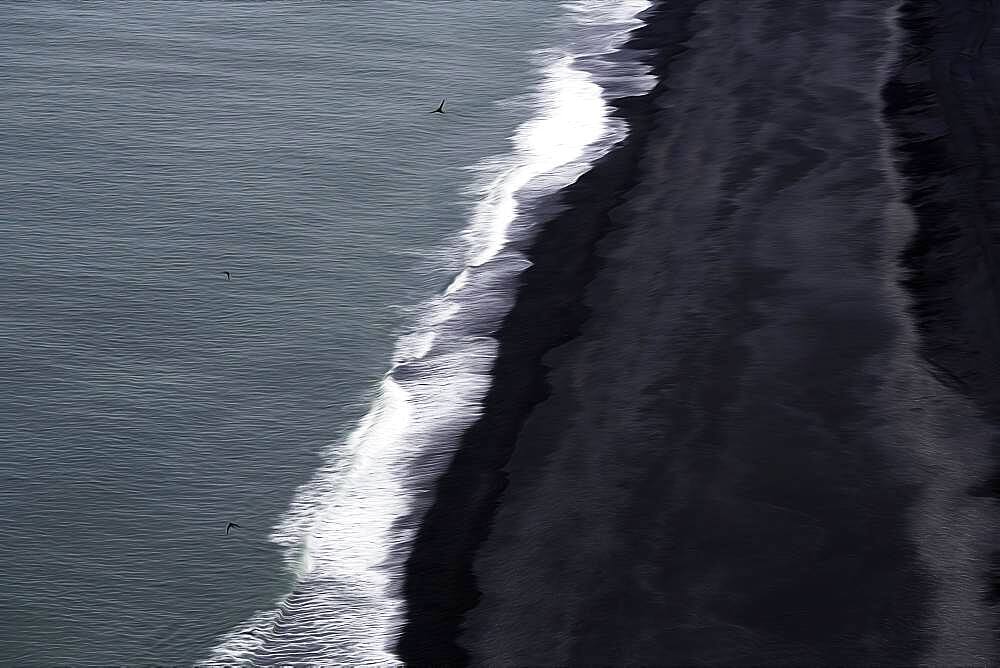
(146, 401)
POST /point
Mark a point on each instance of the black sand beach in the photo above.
(746, 404)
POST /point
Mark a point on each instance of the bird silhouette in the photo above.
(228, 275)
(232, 525)
(440, 109)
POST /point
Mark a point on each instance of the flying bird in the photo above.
(440, 109)
(228, 275)
(232, 525)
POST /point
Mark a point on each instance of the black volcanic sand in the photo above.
(744, 407)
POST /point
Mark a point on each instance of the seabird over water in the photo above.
(232, 525)
(440, 109)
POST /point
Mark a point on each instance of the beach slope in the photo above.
(716, 434)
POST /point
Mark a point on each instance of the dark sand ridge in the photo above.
(944, 106)
(711, 438)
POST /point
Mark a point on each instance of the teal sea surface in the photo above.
(146, 401)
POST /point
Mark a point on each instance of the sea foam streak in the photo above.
(346, 533)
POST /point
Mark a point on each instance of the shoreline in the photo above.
(548, 311)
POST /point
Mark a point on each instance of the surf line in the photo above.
(346, 533)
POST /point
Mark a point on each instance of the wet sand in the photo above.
(742, 414)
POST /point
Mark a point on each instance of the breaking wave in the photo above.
(344, 536)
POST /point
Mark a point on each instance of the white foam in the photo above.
(459, 282)
(342, 534)
(571, 116)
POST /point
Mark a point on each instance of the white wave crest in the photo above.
(342, 535)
